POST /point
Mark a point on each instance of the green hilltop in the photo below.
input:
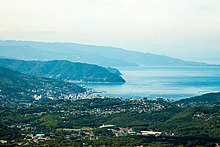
(209, 98)
(64, 70)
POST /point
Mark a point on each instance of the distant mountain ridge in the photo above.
(100, 55)
(64, 70)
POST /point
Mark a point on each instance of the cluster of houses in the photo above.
(129, 131)
(89, 94)
(84, 133)
(37, 137)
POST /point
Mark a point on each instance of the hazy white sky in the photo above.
(188, 29)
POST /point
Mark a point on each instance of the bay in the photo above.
(167, 82)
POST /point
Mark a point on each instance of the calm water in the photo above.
(167, 82)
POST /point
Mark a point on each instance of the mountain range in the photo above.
(64, 70)
(100, 55)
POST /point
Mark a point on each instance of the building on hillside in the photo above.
(150, 133)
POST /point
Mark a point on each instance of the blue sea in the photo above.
(167, 82)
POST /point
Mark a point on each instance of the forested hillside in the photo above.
(64, 70)
(16, 87)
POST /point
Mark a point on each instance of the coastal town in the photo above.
(88, 133)
(101, 121)
(50, 112)
(95, 107)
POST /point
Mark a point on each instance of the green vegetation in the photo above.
(38, 112)
(16, 87)
(209, 98)
(190, 125)
(64, 70)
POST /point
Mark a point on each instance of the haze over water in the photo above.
(167, 82)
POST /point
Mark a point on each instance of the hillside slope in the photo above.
(209, 98)
(63, 70)
(17, 87)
